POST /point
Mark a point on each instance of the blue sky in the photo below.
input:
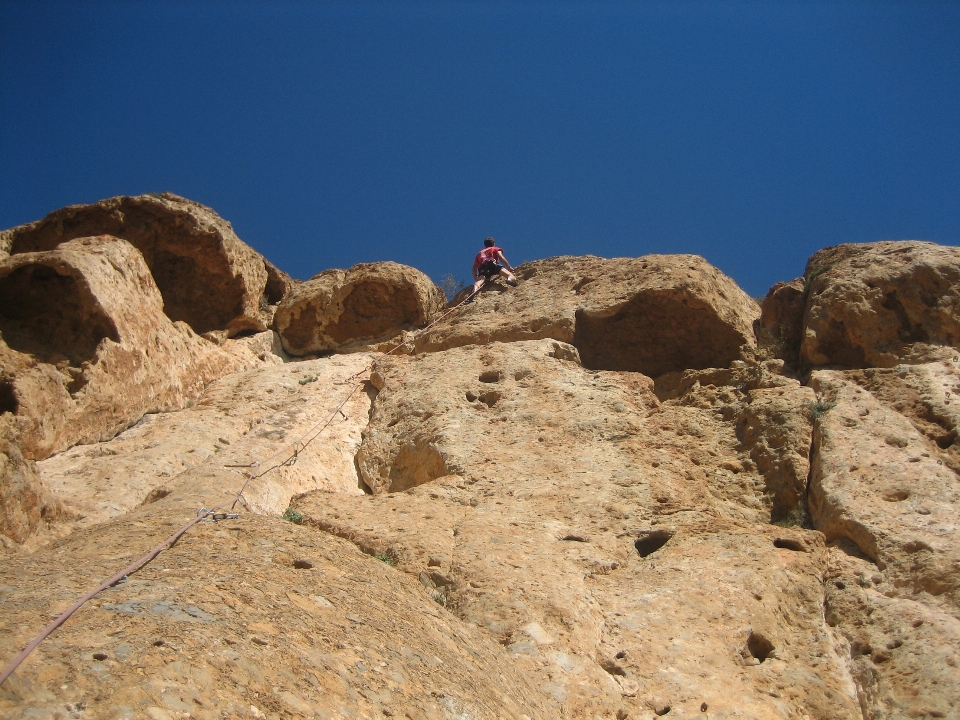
(335, 133)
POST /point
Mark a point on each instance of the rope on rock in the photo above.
(294, 451)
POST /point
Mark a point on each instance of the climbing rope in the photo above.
(214, 513)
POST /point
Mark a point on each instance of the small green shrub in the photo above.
(798, 517)
(808, 281)
(818, 409)
(439, 597)
(388, 559)
(293, 516)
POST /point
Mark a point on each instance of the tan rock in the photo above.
(564, 511)
(207, 276)
(902, 650)
(878, 482)
(653, 314)
(87, 349)
(244, 618)
(781, 320)
(239, 420)
(25, 501)
(368, 306)
(874, 304)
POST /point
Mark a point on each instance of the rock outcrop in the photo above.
(87, 348)
(654, 314)
(781, 319)
(884, 494)
(25, 501)
(591, 496)
(208, 277)
(869, 305)
(594, 530)
(366, 307)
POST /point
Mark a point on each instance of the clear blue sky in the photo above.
(336, 133)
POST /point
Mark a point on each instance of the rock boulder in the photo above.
(653, 314)
(25, 501)
(366, 307)
(208, 277)
(873, 304)
(87, 348)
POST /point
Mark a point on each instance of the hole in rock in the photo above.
(945, 441)
(915, 546)
(490, 398)
(157, 494)
(612, 667)
(654, 335)
(574, 538)
(859, 647)
(660, 711)
(78, 381)
(276, 285)
(759, 646)
(302, 564)
(206, 298)
(789, 544)
(896, 495)
(621, 655)
(158, 643)
(51, 316)
(99, 656)
(651, 542)
(840, 585)
(416, 463)
(8, 398)
(372, 309)
(471, 397)
(490, 376)
(187, 263)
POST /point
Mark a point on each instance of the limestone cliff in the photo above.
(620, 490)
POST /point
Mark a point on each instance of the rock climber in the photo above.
(489, 263)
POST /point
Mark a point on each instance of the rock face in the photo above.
(591, 496)
(25, 501)
(564, 511)
(884, 492)
(369, 305)
(870, 305)
(654, 314)
(781, 319)
(88, 349)
(239, 419)
(207, 276)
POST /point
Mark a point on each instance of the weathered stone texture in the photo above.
(781, 319)
(591, 496)
(25, 501)
(368, 306)
(87, 349)
(653, 314)
(874, 304)
(207, 276)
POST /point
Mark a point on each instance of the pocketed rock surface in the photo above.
(594, 496)
(598, 544)
(610, 310)
(208, 277)
(87, 348)
(368, 307)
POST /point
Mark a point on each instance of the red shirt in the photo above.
(486, 254)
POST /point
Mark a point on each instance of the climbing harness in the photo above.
(218, 513)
